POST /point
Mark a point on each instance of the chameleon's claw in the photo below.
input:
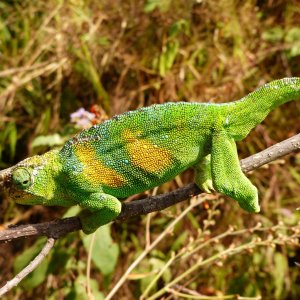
(203, 177)
(207, 186)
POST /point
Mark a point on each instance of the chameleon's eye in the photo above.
(21, 177)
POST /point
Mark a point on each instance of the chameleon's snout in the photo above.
(5, 177)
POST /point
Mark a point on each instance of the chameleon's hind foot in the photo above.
(203, 177)
(227, 175)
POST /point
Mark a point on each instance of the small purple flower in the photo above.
(286, 212)
(82, 118)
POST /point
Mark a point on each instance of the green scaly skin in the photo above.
(141, 149)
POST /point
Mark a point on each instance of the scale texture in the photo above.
(141, 149)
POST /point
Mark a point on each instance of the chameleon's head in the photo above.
(18, 181)
(30, 181)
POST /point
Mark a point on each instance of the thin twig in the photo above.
(156, 278)
(41, 29)
(225, 253)
(148, 249)
(59, 228)
(17, 82)
(88, 268)
(28, 269)
(203, 297)
(13, 71)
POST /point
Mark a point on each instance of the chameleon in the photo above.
(138, 150)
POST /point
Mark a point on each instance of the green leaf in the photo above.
(12, 138)
(171, 53)
(78, 291)
(162, 65)
(293, 37)
(199, 57)
(179, 242)
(280, 271)
(149, 270)
(273, 35)
(71, 212)
(162, 5)
(103, 41)
(59, 294)
(295, 174)
(105, 252)
(4, 31)
(95, 290)
(48, 140)
(9, 135)
(168, 56)
(178, 27)
(36, 277)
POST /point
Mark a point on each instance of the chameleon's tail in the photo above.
(243, 115)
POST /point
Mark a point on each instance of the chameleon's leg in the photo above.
(227, 175)
(99, 209)
(203, 176)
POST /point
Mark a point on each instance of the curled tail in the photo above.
(243, 115)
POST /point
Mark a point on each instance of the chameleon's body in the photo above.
(141, 149)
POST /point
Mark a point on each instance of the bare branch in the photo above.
(54, 229)
(28, 269)
(276, 151)
(59, 228)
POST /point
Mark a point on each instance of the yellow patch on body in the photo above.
(94, 170)
(145, 155)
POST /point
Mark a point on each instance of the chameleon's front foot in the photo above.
(100, 209)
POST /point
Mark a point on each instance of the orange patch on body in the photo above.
(145, 155)
(94, 170)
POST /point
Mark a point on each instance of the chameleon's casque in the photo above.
(141, 149)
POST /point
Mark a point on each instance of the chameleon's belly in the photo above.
(134, 166)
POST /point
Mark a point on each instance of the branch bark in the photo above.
(59, 228)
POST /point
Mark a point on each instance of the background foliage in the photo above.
(111, 56)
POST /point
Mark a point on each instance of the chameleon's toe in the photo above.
(203, 176)
(207, 186)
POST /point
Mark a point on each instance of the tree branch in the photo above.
(59, 228)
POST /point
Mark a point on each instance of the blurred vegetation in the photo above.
(111, 56)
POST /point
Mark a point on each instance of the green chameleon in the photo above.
(141, 149)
